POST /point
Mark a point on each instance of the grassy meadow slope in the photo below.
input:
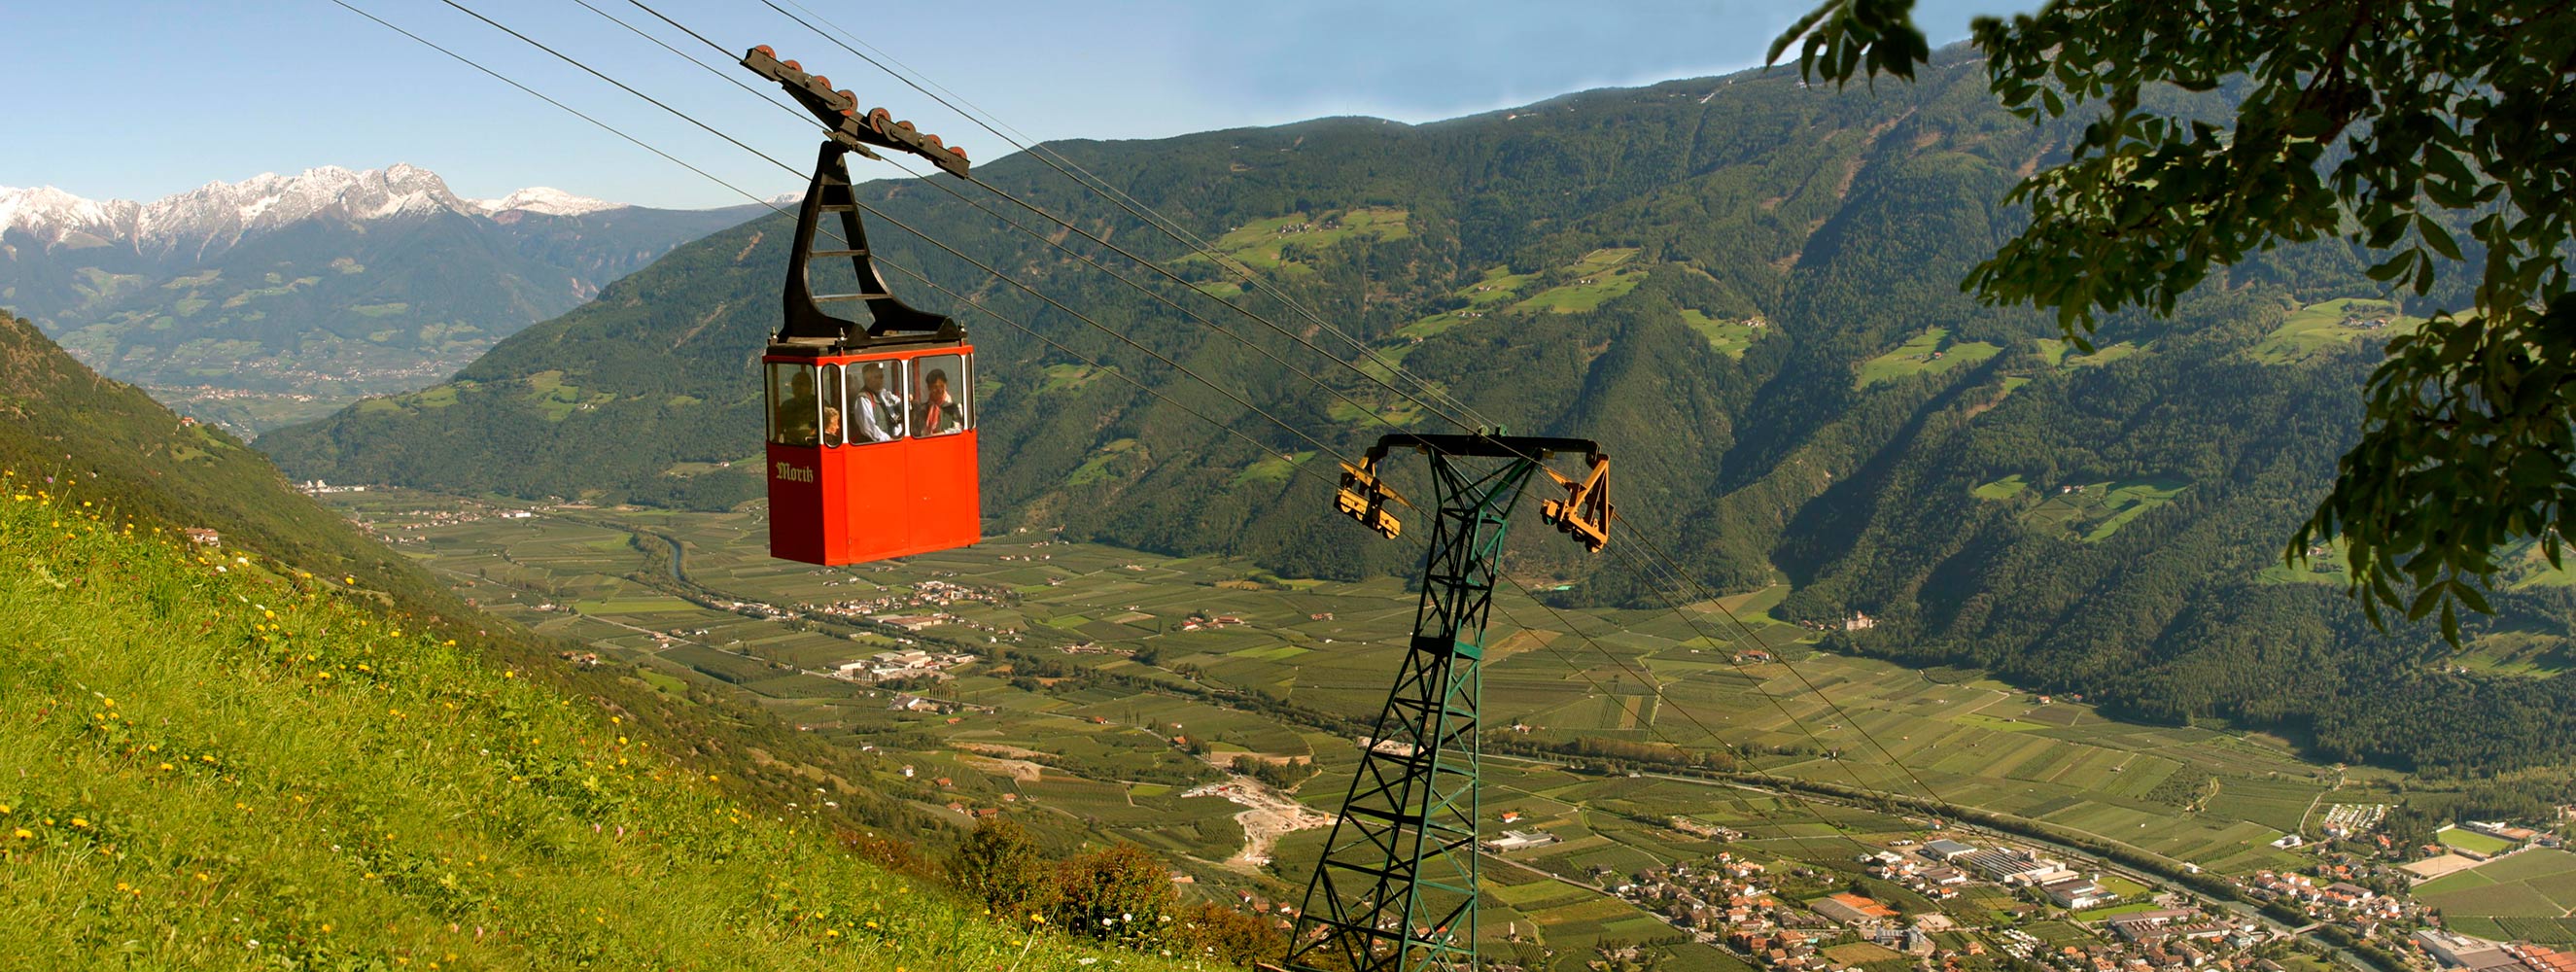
(65, 429)
(300, 738)
(110, 443)
(225, 763)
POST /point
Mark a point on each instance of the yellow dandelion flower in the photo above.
(24, 833)
(80, 823)
(165, 767)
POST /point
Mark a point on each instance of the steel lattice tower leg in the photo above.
(1396, 890)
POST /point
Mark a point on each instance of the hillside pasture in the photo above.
(2001, 489)
(2061, 353)
(1265, 244)
(2092, 512)
(2320, 327)
(1598, 276)
(1727, 337)
(1927, 353)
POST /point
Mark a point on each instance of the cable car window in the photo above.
(835, 425)
(795, 412)
(939, 395)
(877, 412)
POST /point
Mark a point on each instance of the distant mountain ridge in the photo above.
(205, 221)
(281, 296)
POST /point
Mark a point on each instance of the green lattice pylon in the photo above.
(1396, 890)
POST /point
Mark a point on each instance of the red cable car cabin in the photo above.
(871, 430)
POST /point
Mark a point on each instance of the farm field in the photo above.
(1591, 279)
(2061, 353)
(1928, 353)
(2317, 328)
(1599, 276)
(2527, 894)
(1728, 337)
(2001, 489)
(2092, 512)
(1265, 244)
(1087, 758)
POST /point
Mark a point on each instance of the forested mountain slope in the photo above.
(1746, 289)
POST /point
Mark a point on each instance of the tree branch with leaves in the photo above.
(2379, 122)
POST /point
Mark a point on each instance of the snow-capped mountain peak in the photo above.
(213, 217)
(52, 214)
(547, 200)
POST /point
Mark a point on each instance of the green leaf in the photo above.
(2440, 238)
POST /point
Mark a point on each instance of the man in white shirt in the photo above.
(879, 407)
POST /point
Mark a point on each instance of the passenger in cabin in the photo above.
(831, 426)
(939, 413)
(795, 418)
(878, 406)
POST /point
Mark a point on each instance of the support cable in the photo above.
(906, 227)
(1140, 211)
(942, 186)
(1140, 260)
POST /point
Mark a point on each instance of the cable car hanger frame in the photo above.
(808, 328)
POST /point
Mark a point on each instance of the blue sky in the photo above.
(142, 99)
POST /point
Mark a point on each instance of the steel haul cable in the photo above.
(1159, 222)
(1140, 260)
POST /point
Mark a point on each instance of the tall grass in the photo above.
(207, 761)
